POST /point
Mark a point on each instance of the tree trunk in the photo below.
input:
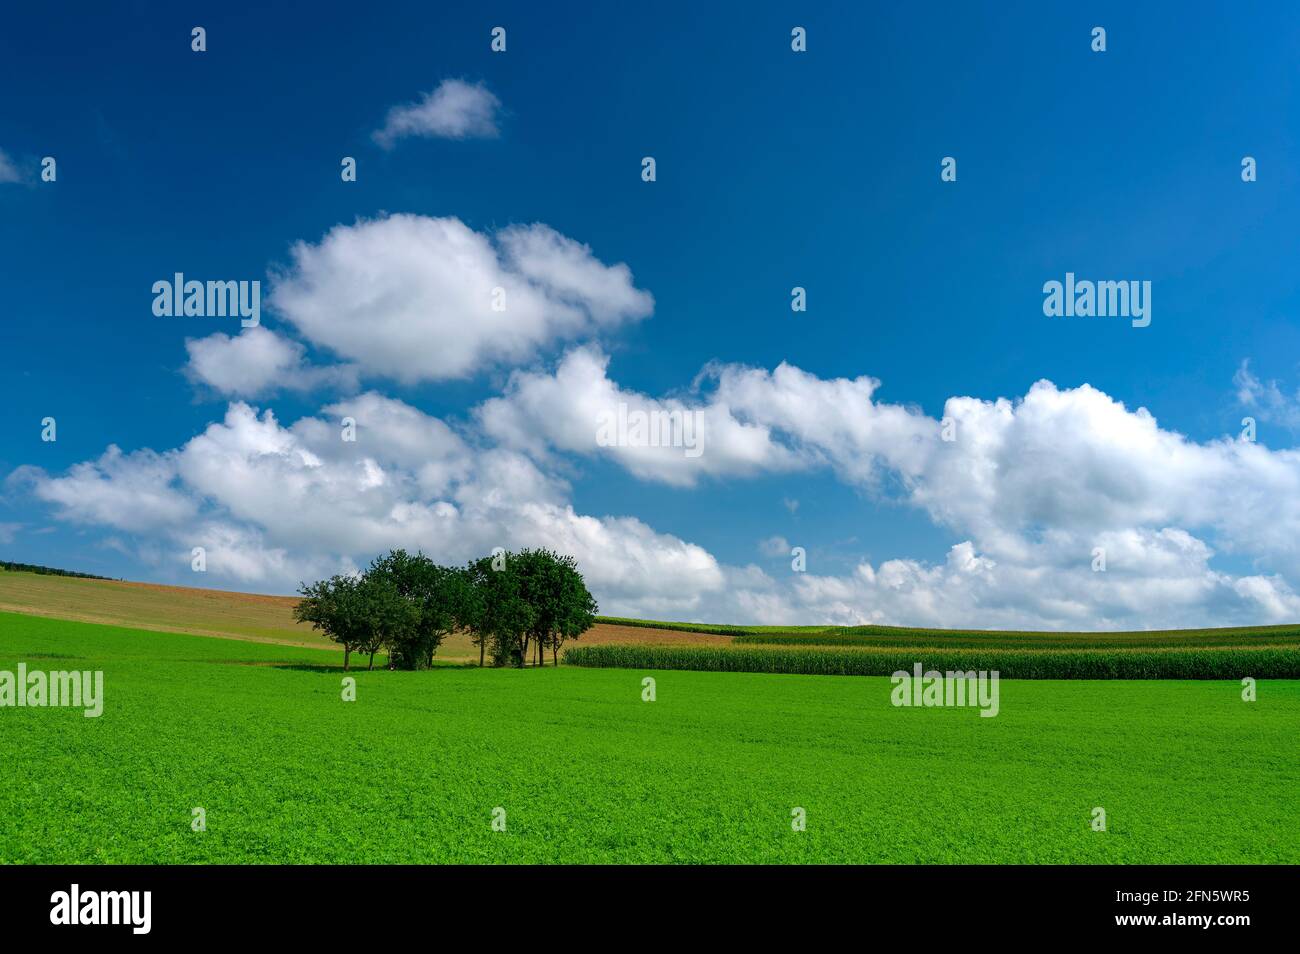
(347, 653)
(371, 667)
(555, 653)
(481, 645)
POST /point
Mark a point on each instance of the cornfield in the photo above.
(1011, 663)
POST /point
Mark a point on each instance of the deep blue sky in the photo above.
(775, 170)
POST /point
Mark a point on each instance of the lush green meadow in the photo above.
(258, 736)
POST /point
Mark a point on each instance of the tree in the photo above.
(385, 618)
(332, 607)
(501, 618)
(578, 607)
(561, 606)
(437, 593)
(473, 608)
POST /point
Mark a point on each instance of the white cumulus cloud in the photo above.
(568, 409)
(425, 299)
(257, 362)
(455, 110)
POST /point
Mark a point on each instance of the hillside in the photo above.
(230, 615)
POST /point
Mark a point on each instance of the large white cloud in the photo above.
(455, 110)
(1032, 491)
(1057, 460)
(425, 299)
(273, 504)
(1033, 488)
(1077, 462)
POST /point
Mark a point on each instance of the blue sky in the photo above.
(774, 169)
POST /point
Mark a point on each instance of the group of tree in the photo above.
(46, 570)
(514, 606)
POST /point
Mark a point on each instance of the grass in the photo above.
(257, 735)
(1010, 663)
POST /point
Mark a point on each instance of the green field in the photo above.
(257, 735)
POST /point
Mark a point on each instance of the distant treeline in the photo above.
(47, 570)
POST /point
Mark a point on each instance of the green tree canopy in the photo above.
(407, 605)
(439, 595)
(332, 607)
(562, 607)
